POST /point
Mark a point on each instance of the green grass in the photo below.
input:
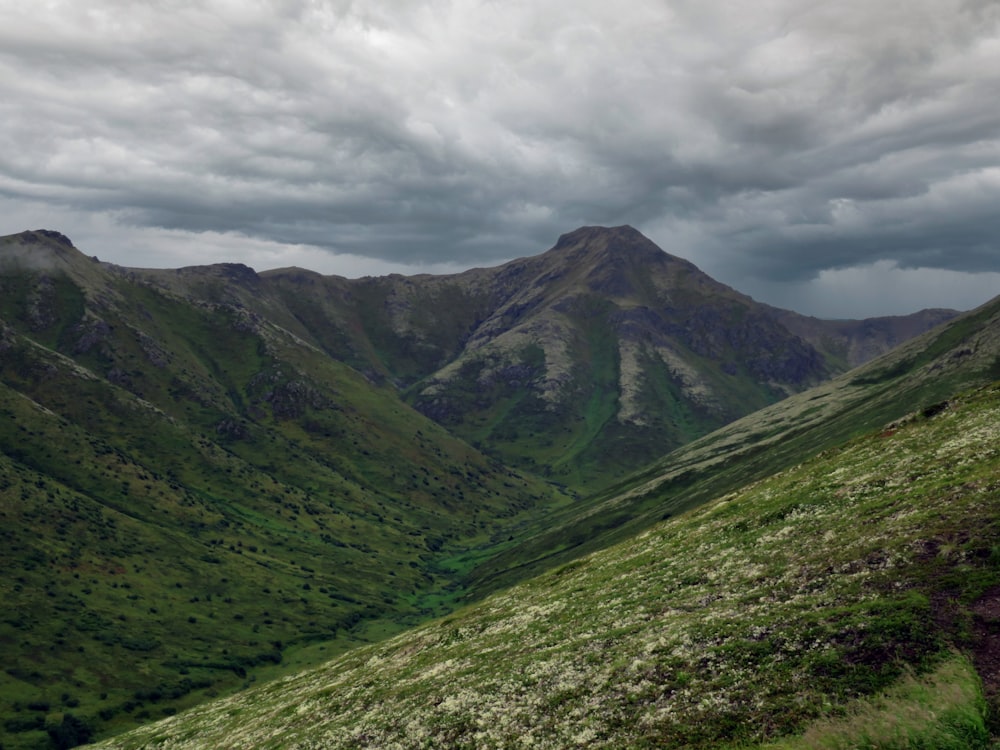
(824, 603)
(193, 502)
(941, 710)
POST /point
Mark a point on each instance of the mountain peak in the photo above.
(618, 245)
(592, 233)
(40, 250)
(614, 261)
(40, 237)
(51, 234)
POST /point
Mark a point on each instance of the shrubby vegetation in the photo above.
(183, 486)
(833, 599)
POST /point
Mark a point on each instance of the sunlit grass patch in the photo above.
(941, 710)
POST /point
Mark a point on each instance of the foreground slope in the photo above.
(792, 600)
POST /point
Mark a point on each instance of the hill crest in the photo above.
(582, 362)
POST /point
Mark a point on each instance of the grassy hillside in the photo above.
(845, 602)
(192, 499)
(918, 375)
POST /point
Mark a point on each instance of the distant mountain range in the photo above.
(580, 364)
(210, 475)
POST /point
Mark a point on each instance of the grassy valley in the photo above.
(193, 499)
(845, 602)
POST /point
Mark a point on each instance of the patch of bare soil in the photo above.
(986, 649)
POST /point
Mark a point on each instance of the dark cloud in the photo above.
(770, 144)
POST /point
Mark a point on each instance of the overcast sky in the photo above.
(838, 158)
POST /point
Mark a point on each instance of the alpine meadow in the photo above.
(588, 498)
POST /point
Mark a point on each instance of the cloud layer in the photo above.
(778, 145)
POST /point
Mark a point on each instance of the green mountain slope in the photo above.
(192, 497)
(917, 375)
(209, 476)
(581, 364)
(766, 613)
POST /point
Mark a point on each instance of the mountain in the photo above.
(850, 601)
(608, 352)
(580, 364)
(192, 497)
(855, 342)
(210, 476)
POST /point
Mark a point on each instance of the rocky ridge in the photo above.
(581, 363)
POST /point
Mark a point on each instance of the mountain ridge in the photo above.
(592, 357)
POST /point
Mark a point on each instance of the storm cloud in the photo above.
(795, 150)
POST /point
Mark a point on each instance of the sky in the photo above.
(841, 159)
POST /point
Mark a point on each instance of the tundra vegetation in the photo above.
(845, 602)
